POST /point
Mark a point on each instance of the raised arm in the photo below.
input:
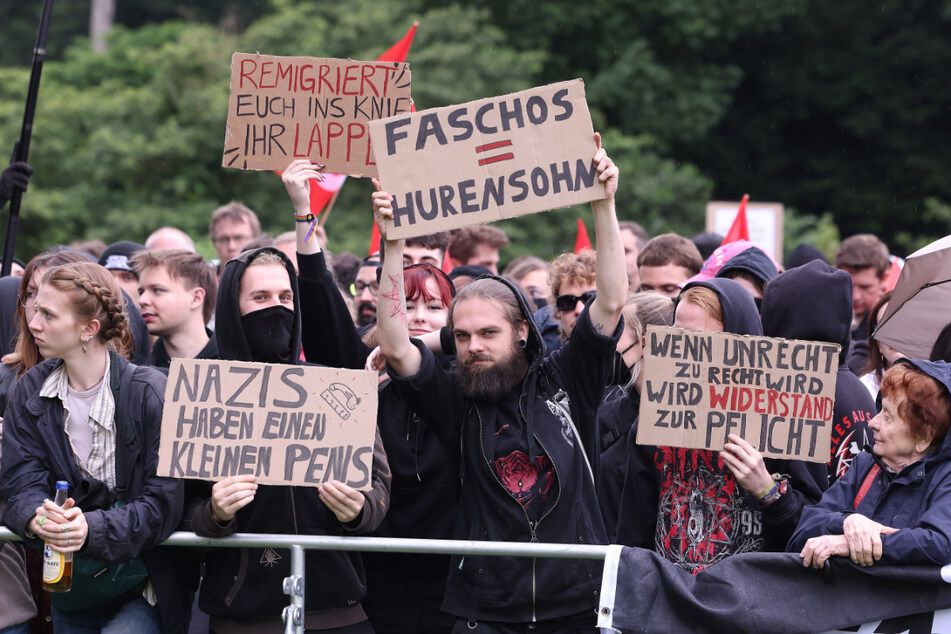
(297, 179)
(402, 356)
(330, 337)
(611, 280)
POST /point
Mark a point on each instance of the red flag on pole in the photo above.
(739, 230)
(582, 241)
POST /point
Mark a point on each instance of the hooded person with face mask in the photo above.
(697, 507)
(258, 319)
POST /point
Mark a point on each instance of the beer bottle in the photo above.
(58, 567)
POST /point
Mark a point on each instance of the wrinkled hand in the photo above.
(297, 179)
(231, 495)
(818, 549)
(864, 538)
(607, 170)
(64, 528)
(747, 464)
(16, 177)
(345, 502)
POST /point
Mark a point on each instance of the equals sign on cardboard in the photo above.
(489, 147)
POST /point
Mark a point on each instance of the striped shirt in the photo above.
(100, 463)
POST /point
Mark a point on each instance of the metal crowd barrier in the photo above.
(293, 614)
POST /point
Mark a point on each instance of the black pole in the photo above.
(21, 149)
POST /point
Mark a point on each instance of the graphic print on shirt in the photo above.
(561, 408)
(525, 481)
(849, 437)
(702, 514)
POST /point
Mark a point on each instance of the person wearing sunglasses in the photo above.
(573, 287)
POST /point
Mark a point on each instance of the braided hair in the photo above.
(95, 295)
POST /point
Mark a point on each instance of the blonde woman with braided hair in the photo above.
(88, 416)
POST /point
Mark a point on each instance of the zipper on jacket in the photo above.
(294, 510)
(532, 527)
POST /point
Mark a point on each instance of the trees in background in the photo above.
(833, 109)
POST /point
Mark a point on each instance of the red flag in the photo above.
(582, 241)
(739, 230)
(374, 241)
(399, 51)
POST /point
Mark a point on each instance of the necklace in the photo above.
(79, 388)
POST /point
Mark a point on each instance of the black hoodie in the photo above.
(551, 412)
(814, 302)
(686, 503)
(247, 583)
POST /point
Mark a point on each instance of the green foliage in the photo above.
(820, 232)
(832, 108)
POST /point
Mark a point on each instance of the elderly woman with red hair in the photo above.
(894, 504)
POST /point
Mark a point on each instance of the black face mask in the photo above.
(540, 302)
(269, 333)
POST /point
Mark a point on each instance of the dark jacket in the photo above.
(9, 292)
(917, 500)
(814, 302)
(617, 414)
(160, 358)
(557, 401)
(424, 489)
(36, 453)
(686, 503)
(247, 583)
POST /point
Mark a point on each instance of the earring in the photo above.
(84, 345)
(521, 343)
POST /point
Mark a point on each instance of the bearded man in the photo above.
(526, 428)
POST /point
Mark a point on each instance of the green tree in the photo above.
(841, 113)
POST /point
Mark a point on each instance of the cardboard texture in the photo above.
(285, 108)
(765, 222)
(284, 424)
(485, 160)
(775, 393)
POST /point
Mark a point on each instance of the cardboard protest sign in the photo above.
(284, 108)
(486, 160)
(700, 386)
(284, 424)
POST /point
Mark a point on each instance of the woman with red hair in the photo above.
(894, 504)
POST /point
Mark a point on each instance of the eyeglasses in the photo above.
(28, 300)
(358, 287)
(230, 239)
(568, 302)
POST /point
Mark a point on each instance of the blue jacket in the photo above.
(917, 501)
(36, 453)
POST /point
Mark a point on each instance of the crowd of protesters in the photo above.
(508, 410)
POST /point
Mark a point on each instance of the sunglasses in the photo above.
(568, 302)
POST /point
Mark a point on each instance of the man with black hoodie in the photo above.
(519, 429)
(814, 302)
(259, 319)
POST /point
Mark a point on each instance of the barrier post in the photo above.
(293, 615)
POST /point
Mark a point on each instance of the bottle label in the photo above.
(53, 565)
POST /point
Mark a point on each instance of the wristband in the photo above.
(307, 218)
(769, 487)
